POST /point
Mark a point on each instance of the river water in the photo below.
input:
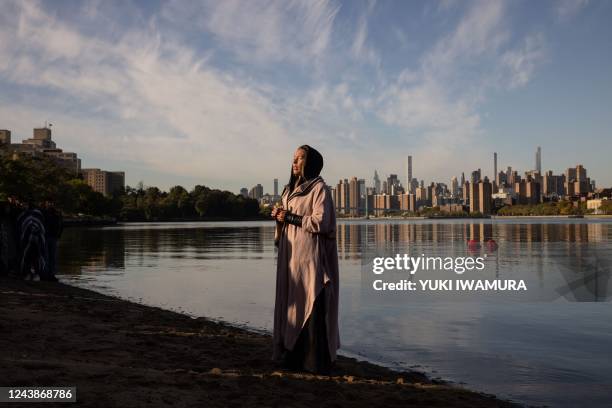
(551, 344)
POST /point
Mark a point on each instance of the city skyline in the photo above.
(221, 93)
(493, 177)
(42, 143)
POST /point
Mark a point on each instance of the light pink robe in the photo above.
(307, 261)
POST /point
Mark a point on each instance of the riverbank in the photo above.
(90, 221)
(122, 354)
(566, 217)
(100, 222)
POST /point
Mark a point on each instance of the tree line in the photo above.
(150, 203)
(562, 207)
(39, 179)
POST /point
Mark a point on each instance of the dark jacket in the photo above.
(54, 223)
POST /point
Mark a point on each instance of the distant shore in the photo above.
(492, 217)
(89, 221)
(501, 217)
(122, 354)
(100, 221)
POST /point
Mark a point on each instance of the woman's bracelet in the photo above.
(293, 219)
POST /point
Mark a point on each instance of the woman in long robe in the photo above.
(306, 309)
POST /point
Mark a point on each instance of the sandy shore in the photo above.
(121, 354)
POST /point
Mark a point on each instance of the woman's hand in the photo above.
(279, 214)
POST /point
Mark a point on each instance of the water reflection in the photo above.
(108, 248)
(537, 247)
(91, 249)
(521, 349)
(352, 235)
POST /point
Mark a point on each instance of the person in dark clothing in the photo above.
(4, 237)
(15, 208)
(53, 231)
(33, 244)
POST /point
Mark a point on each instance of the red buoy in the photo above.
(492, 245)
(473, 244)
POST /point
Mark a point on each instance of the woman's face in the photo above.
(299, 160)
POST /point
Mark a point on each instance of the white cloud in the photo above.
(360, 50)
(445, 5)
(161, 102)
(480, 32)
(436, 102)
(566, 9)
(261, 30)
(438, 105)
(177, 114)
(426, 108)
(522, 62)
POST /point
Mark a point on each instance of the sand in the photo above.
(122, 354)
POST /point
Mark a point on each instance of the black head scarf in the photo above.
(312, 167)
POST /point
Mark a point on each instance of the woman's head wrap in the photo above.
(312, 167)
(314, 162)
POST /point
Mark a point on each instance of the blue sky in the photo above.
(220, 93)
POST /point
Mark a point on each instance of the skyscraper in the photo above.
(342, 192)
(465, 191)
(409, 174)
(356, 191)
(495, 181)
(576, 181)
(480, 197)
(533, 191)
(392, 181)
(421, 197)
(476, 176)
(256, 192)
(553, 186)
(538, 157)
(484, 196)
(582, 184)
(474, 197)
(376, 183)
(454, 186)
(275, 187)
(362, 192)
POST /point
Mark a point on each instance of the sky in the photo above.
(220, 93)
